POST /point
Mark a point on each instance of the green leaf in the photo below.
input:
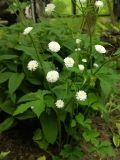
(37, 106)
(116, 140)
(26, 115)
(6, 124)
(49, 126)
(49, 101)
(37, 135)
(4, 76)
(42, 158)
(4, 155)
(71, 152)
(33, 96)
(73, 123)
(91, 136)
(15, 81)
(7, 107)
(7, 57)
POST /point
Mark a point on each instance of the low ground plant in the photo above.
(62, 79)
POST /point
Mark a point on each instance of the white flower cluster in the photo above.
(52, 76)
(99, 4)
(77, 49)
(100, 48)
(82, 1)
(96, 65)
(49, 8)
(27, 30)
(81, 95)
(84, 60)
(54, 46)
(81, 67)
(32, 65)
(28, 13)
(69, 62)
(59, 103)
(78, 41)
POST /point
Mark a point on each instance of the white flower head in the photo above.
(54, 46)
(82, 1)
(32, 65)
(84, 60)
(69, 62)
(99, 4)
(59, 103)
(81, 67)
(78, 41)
(52, 76)
(32, 107)
(27, 30)
(77, 49)
(96, 65)
(100, 48)
(28, 13)
(81, 95)
(49, 8)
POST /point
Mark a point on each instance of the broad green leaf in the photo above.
(49, 101)
(4, 76)
(37, 135)
(7, 57)
(26, 115)
(33, 96)
(71, 152)
(42, 158)
(37, 107)
(4, 155)
(15, 81)
(49, 126)
(7, 107)
(116, 140)
(43, 144)
(6, 124)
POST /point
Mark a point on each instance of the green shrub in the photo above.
(61, 84)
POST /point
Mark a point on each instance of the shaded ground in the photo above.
(20, 145)
(19, 142)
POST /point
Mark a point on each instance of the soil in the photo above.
(19, 142)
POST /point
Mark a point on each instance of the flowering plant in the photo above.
(58, 79)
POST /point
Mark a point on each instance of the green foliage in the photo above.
(3, 155)
(49, 126)
(6, 124)
(64, 115)
(71, 153)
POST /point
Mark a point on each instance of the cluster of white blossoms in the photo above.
(78, 41)
(81, 95)
(100, 48)
(99, 4)
(49, 8)
(32, 65)
(27, 30)
(52, 76)
(54, 46)
(28, 13)
(84, 60)
(82, 1)
(69, 62)
(81, 67)
(77, 49)
(59, 103)
(96, 65)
